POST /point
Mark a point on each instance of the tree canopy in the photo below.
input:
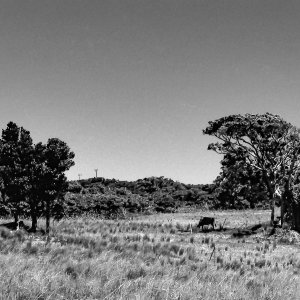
(266, 144)
(33, 179)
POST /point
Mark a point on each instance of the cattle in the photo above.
(206, 221)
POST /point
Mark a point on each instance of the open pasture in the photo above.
(161, 256)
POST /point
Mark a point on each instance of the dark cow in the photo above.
(206, 221)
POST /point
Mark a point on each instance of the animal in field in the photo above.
(206, 221)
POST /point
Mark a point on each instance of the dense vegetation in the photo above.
(150, 255)
(115, 198)
(110, 197)
(32, 179)
(33, 185)
(262, 147)
(260, 167)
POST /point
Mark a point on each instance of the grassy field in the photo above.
(160, 256)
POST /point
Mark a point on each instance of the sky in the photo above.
(129, 85)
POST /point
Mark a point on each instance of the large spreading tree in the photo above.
(269, 146)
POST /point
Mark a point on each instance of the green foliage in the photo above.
(259, 146)
(32, 176)
(238, 187)
(16, 150)
(156, 194)
(112, 198)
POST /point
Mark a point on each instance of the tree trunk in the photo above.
(286, 200)
(272, 211)
(287, 207)
(34, 222)
(271, 190)
(282, 210)
(232, 202)
(16, 217)
(296, 216)
(48, 216)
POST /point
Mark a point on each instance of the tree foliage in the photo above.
(147, 195)
(15, 157)
(239, 187)
(265, 145)
(32, 176)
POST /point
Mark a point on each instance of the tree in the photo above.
(48, 181)
(56, 159)
(32, 179)
(38, 184)
(266, 143)
(15, 157)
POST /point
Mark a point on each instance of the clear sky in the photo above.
(131, 84)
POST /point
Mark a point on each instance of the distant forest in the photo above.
(115, 198)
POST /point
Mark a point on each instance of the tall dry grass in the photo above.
(88, 258)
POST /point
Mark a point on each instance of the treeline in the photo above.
(115, 198)
(260, 158)
(33, 185)
(32, 179)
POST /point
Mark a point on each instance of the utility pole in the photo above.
(96, 170)
(79, 176)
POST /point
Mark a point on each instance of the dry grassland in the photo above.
(152, 257)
